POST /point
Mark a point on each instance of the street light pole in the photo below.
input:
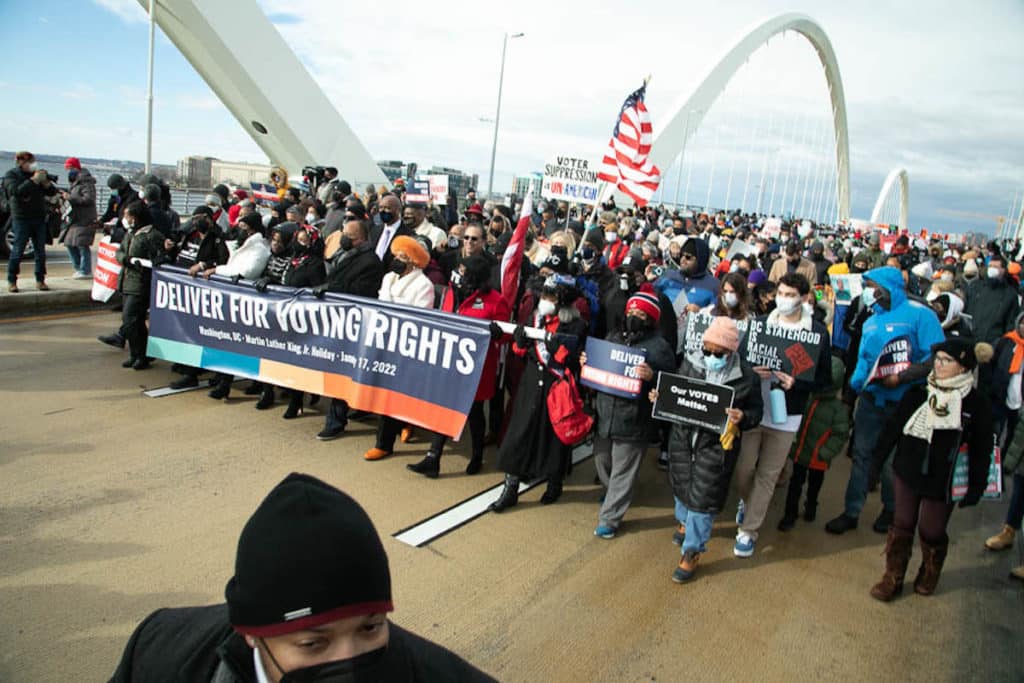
(497, 115)
(149, 95)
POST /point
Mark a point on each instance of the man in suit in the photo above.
(391, 227)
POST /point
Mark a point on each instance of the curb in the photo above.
(36, 302)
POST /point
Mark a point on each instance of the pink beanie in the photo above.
(723, 332)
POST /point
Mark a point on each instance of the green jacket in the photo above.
(875, 256)
(1014, 450)
(825, 426)
(145, 243)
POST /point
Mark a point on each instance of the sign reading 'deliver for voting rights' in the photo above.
(570, 179)
(692, 402)
(418, 366)
(894, 359)
(611, 368)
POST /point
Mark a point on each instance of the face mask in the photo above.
(611, 237)
(624, 283)
(113, 193)
(364, 667)
(946, 277)
(72, 176)
(33, 167)
(867, 297)
(788, 304)
(453, 242)
(386, 217)
(310, 217)
(346, 243)
(634, 324)
(734, 267)
(731, 299)
(994, 273)
(202, 225)
(128, 226)
(678, 231)
(546, 307)
(397, 266)
(715, 364)
(587, 254)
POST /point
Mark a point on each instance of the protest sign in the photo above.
(418, 366)
(894, 359)
(418, 190)
(961, 478)
(698, 323)
(887, 242)
(105, 274)
(740, 247)
(772, 227)
(793, 351)
(692, 402)
(846, 287)
(611, 368)
(438, 189)
(570, 179)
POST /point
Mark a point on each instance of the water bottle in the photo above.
(777, 404)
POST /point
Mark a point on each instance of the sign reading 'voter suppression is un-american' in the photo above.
(570, 179)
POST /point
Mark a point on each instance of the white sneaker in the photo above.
(81, 276)
(744, 545)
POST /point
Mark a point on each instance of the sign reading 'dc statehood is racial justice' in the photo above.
(698, 323)
(692, 402)
(570, 179)
(419, 366)
(611, 368)
(793, 351)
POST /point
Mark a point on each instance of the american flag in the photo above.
(626, 163)
(512, 259)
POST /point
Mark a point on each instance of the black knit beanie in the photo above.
(308, 556)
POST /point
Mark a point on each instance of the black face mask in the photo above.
(678, 231)
(635, 325)
(386, 217)
(368, 666)
(346, 243)
(453, 242)
(587, 254)
(398, 267)
(201, 225)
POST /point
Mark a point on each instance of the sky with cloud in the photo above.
(933, 86)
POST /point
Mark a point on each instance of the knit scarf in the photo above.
(1018, 351)
(942, 408)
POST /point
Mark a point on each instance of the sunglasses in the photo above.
(716, 354)
(688, 257)
(469, 238)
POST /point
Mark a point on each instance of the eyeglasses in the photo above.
(716, 354)
(470, 238)
(944, 360)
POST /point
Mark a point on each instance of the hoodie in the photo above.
(904, 318)
(700, 289)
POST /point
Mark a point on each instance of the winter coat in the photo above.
(208, 248)
(625, 419)
(875, 256)
(1014, 451)
(160, 219)
(993, 305)
(248, 261)
(413, 289)
(27, 198)
(699, 468)
(805, 268)
(615, 314)
(825, 426)
(700, 289)
(482, 306)
(997, 372)
(904, 318)
(117, 202)
(928, 468)
(357, 271)
(198, 644)
(82, 222)
(144, 243)
(530, 448)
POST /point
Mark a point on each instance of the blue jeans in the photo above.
(25, 229)
(81, 259)
(869, 421)
(698, 528)
(1015, 513)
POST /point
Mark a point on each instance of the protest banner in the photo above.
(438, 189)
(106, 271)
(611, 368)
(418, 366)
(418, 190)
(846, 287)
(698, 323)
(570, 179)
(894, 359)
(692, 402)
(793, 351)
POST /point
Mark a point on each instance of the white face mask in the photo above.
(867, 297)
(731, 299)
(994, 273)
(546, 307)
(787, 304)
(946, 277)
(33, 167)
(611, 236)
(310, 217)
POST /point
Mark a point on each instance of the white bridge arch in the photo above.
(671, 136)
(894, 175)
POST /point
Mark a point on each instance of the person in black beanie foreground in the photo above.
(298, 609)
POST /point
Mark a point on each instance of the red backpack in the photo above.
(565, 410)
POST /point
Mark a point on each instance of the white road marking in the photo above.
(167, 391)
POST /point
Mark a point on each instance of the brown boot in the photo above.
(1002, 540)
(898, 548)
(932, 559)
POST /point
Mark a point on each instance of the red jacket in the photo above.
(489, 306)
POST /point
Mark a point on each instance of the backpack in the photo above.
(565, 410)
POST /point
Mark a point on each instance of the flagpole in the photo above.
(149, 95)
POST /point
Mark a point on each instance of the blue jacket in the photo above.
(904, 318)
(700, 289)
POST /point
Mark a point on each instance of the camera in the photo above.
(52, 178)
(314, 174)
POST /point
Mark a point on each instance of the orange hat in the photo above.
(1013, 268)
(411, 248)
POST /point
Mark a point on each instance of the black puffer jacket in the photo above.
(630, 419)
(699, 468)
(993, 305)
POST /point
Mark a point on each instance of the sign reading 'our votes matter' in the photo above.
(692, 402)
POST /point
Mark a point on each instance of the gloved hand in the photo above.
(235, 279)
(496, 331)
(552, 343)
(520, 338)
(261, 284)
(319, 291)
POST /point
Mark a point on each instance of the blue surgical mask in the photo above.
(867, 297)
(715, 364)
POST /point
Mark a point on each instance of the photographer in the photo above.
(26, 187)
(81, 230)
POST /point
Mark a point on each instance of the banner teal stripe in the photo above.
(230, 363)
(175, 351)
